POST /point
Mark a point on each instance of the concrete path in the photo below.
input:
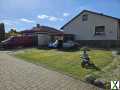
(17, 74)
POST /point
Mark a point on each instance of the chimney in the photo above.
(38, 25)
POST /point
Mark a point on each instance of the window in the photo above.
(85, 17)
(100, 30)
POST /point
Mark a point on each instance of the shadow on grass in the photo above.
(60, 49)
(15, 48)
(69, 49)
(92, 66)
(44, 48)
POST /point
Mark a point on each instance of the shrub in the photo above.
(85, 48)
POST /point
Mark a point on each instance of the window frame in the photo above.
(85, 17)
(98, 30)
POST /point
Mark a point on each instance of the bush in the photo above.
(85, 48)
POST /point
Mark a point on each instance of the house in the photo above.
(2, 32)
(94, 29)
(42, 35)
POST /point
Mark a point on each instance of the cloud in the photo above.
(9, 22)
(53, 18)
(66, 14)
(26, 20)
(15, 23)
(43, 16)
(50, 18)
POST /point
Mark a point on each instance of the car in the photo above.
(17, 41)
(53, 44)
(70, 44)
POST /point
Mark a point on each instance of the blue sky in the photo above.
(24, 14)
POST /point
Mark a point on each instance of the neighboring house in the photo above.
(91, 28)
(42, 35)
(2, 32)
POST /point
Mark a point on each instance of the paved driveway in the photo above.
(17, 74)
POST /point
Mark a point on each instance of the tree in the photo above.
(12, 32)
(38, 25)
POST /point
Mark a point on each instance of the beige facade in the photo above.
(85, 30)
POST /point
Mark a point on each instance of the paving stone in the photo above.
(16, 74)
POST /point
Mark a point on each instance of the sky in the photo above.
(24, 14)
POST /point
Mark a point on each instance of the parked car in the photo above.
(66, 45)
(17, 41)
(70, 44)
(53, 44)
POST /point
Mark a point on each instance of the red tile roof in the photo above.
(43, 29)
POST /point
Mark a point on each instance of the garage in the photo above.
(43, 39)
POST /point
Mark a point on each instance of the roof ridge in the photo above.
(97, 13)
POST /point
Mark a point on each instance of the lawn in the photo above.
(67, 62)
(111, 71)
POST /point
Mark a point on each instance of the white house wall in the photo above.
(43, 39)
(85, 30)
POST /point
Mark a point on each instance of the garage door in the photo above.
(43, 39)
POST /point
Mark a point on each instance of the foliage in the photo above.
(12, 32)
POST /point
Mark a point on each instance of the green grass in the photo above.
(112, 71)
(67, 62)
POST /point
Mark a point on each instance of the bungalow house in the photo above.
(95, 29)
(42, 35)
